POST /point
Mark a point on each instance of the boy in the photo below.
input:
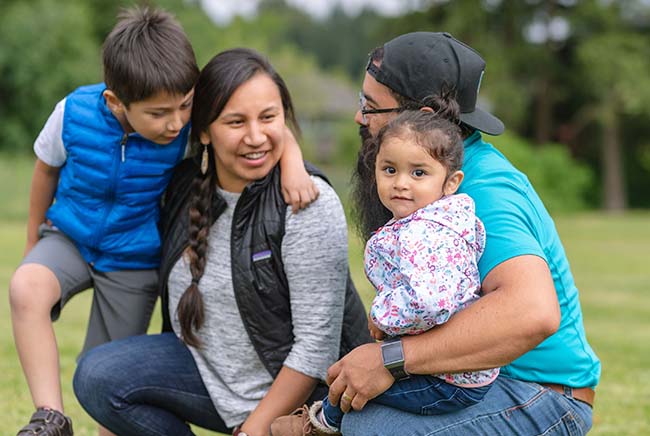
(106, 155)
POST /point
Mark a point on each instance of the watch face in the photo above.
(392, 352)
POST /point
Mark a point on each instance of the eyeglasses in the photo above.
(365, 111)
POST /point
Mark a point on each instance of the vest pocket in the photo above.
(265, 279)
(263, 276)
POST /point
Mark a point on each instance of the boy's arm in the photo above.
(297, 187)
(44, 182)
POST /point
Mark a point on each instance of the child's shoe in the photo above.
(302, 422)
(47, 422)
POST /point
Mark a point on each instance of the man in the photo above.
(528, 320)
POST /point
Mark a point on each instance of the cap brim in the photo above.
(483, 121)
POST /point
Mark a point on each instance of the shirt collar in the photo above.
(472, 139)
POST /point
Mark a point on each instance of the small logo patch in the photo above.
(266, 254)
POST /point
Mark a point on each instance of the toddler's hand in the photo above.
(375, 332)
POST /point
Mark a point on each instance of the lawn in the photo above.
(609, 256)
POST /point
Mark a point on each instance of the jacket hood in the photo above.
(456, 212)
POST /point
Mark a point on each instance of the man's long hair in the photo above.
(367, 209)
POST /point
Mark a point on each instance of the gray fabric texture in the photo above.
(122, 300)
(315, 256)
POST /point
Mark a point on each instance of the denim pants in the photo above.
(510, 407)
(145, 385)
(419, 394)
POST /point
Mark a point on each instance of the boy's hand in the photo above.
(375, 332)
(298, 189)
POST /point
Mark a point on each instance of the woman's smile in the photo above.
(248, 134)
(255, 158)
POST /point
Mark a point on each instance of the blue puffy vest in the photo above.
(107, 199)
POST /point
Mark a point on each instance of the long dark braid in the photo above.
(191, 313)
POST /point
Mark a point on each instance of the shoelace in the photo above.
(307, 428)
(303, 412)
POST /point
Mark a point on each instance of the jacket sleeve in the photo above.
(430, 281)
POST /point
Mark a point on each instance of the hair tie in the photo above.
(195, 281)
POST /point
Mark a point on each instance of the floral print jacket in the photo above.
(424, 269)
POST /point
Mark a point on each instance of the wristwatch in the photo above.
(392, 354)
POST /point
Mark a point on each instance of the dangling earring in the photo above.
(204, 159)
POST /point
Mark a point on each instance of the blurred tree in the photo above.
(561, 182)
(611, 58)
(337, 42)
(619, 85)
(522, 43)
(48, 48)
(104, 15)
(563, 71)
(323, 97)
(555, 67)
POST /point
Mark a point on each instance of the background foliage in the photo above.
(576, 107)
(571, 73)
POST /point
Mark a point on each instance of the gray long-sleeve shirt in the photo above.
(315, 256)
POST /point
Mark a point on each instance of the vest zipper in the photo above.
(109, 195)
(123, 144)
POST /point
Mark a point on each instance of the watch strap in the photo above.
(395, 365)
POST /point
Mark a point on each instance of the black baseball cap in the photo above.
(420, 64)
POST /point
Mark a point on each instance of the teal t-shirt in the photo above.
(517, 224)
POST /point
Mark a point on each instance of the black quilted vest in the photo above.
(261, 287)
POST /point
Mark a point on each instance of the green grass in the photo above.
(609, 256)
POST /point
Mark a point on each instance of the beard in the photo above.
(367, 209)
(364, 133)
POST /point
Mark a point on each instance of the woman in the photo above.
(254, 297)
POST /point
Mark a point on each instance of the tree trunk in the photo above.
(614, 195)
(543, 110)
(544, 100)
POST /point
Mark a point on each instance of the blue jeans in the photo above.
(145, 385)
(419, 394)
(510, 407)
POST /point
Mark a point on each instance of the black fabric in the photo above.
(421, 64)
(261, 288)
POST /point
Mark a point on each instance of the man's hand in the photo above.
(358, 377)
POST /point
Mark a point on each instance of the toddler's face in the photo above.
(408, 177)
(159, 118)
